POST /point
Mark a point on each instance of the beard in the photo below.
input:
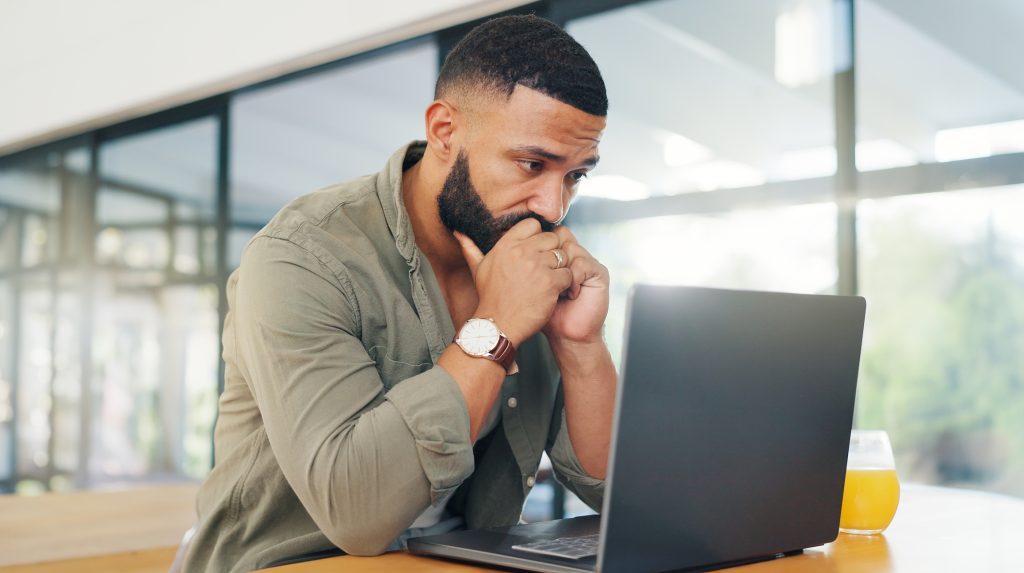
(462, 209)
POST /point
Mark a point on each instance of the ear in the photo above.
(440, 120)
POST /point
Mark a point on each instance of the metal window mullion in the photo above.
(223, 227)
(846, 180)
(170, 223)
(15, 344)
(86, 293)
(223, 224)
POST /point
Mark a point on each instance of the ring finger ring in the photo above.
(559, 258)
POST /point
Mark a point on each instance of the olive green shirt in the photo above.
(336, 428)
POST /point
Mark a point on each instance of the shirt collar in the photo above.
(389, 189)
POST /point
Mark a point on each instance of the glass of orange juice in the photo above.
(872, 489)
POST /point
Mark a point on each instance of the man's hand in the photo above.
(588, 375)
(581, 310)
(517, 281)
(523, 287)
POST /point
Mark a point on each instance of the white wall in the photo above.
(68, 65)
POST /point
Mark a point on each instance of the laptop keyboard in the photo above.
(567, 547)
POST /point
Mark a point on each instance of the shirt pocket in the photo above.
(394, 367)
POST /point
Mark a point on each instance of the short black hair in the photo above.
(528, 51)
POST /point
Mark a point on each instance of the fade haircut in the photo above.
(529, 51)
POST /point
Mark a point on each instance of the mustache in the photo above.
(505, 222)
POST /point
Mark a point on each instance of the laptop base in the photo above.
(494, 546)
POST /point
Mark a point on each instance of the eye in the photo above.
(578, 176)
(531, 165)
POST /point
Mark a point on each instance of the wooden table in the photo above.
(127, 530)
(936, 530)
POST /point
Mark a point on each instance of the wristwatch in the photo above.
(481, 338)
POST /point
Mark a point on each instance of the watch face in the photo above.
(478, 336)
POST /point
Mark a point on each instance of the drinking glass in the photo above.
(872, 489)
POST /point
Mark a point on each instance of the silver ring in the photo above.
(559, 258)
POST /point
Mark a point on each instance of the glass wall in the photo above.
(943, 367)
(718, 169)
(6, 383)
(790, 249)
(109, 282)
(701, 99)
(943, 271)
(294, 138)
(938, 85)
(40, 302)
(109, 311)
(155, 343)
(699, 107)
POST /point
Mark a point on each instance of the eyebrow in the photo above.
(541, 152)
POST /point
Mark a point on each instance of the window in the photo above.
(696, 108)
(698, 105)
(938, 85)
(943, 367)
(7, 404)
(718, 169)
(940, 98)
(294, 138)
(155, 348)
(40, 298)
(155, 209)
(789, 249)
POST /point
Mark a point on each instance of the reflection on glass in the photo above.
(132, 230)
(783, 249)
(968, 101)
(297, 137)
(698, 105)
(6, 380)
(35, 373)
(39, 239)
(66, 389)
(155, 358)
(176, 164)
(40, 368)
(942, 366)
(194, 338)
(157, 197)
(32, 186)
(49, 380)
(30, 206)
(154, 353)
(195, 250)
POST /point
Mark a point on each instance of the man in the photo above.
(350, 419)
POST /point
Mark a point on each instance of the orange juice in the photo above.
(869, 500)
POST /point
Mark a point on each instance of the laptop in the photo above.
(730, 437)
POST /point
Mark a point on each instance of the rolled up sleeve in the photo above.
(567, 466)
(364, 461)
(443, 446)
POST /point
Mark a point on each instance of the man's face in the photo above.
(463, 210)
(517, 159)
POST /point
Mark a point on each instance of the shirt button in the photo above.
(530, 481)
(512, 402)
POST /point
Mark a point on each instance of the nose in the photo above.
(550, 201)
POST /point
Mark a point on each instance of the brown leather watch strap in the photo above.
(505, 354)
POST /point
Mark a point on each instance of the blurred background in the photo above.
(820, 146)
